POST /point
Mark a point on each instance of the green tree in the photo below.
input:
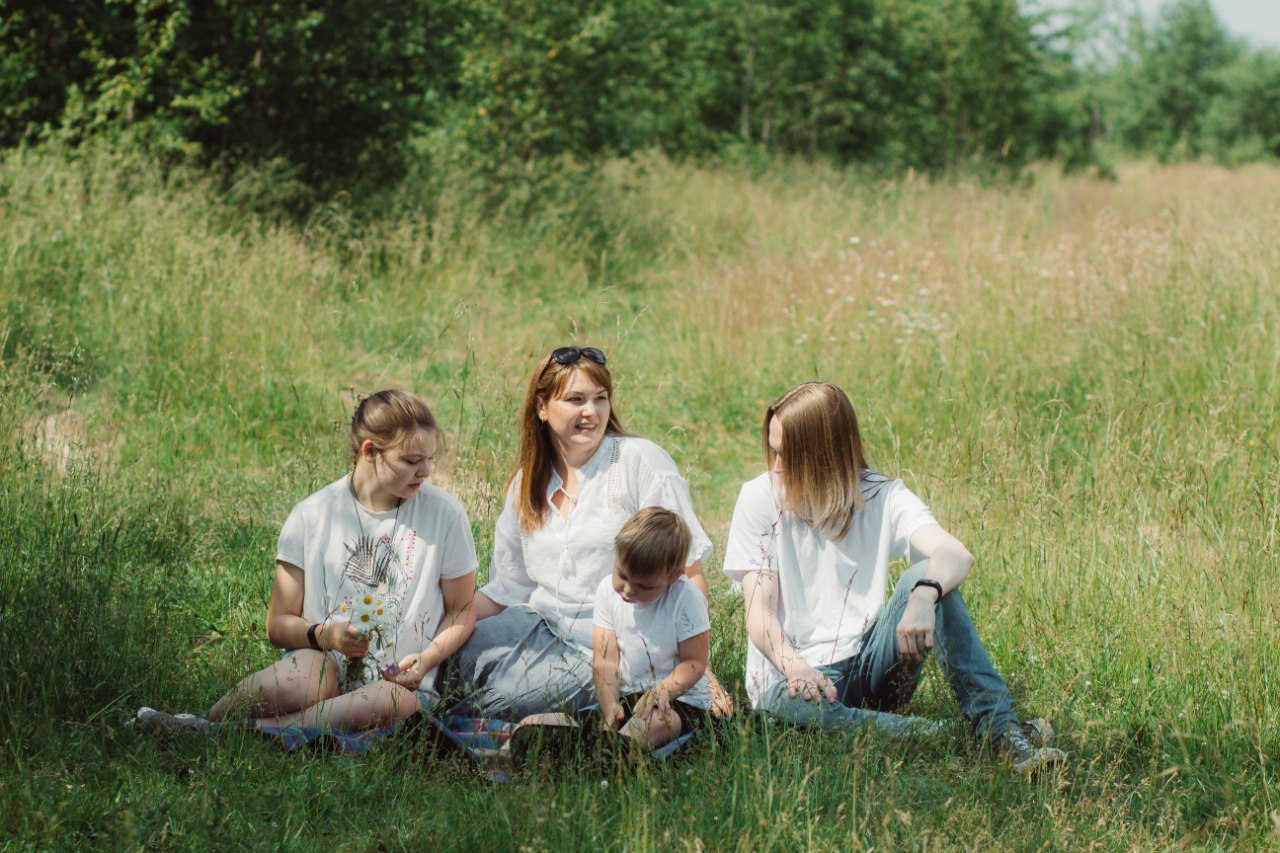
(331, 86)
(1167, 88)
(1243, 121)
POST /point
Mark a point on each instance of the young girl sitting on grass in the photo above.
(652, 634)
(374, 588)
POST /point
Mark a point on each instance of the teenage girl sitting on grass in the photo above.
(811, 541)
(379, 534)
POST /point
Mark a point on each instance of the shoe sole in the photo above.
(1045, 756)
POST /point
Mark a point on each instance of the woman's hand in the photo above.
(345, 638)
(810, 684)
(915, 628)
(408, 673)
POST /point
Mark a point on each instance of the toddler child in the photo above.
(652, 634)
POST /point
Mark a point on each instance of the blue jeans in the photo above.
(514, 665)
(874, 683)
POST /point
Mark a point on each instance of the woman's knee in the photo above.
(389, 703)
(404, 702)
(314, 673)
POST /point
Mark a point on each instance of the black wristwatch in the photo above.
(934, 585)
(315, 644)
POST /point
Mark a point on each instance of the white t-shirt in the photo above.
(555, 570)
(649, 635)
(334, 540)
(828, 590)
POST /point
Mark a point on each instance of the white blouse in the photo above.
(555, 570)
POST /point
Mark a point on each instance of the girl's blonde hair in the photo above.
(388, 418)
(823, 462)
(536, 450)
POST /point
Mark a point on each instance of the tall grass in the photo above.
(1079, 377)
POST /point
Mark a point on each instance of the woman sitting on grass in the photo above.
(374, 587)
(580, 479)
(811, 540)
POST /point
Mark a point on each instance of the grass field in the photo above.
(1079, 377)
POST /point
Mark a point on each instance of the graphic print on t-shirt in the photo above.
(374, 568)
(371, 562)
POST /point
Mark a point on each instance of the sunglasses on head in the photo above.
(570, 355)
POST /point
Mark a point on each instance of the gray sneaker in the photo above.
(1039, 732)
(1027, 758)
(169, 725)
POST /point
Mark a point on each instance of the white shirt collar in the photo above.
(587, 472)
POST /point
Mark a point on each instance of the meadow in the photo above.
(1079, 376)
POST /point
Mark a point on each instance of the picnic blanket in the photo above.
(480, 739)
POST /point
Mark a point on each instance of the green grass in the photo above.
(1079, 377)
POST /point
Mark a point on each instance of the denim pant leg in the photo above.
(884, 682)
(836, 716)
(514, 665)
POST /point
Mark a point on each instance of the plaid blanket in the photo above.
(481, 739)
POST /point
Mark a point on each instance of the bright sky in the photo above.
(1257, 21)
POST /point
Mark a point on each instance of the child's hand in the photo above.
(655, 701)
(345, 638)
(408, 673)
(613, 716)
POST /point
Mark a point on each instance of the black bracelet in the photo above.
(934, 585)
(311, 637)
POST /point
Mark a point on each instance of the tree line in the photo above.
(336, 90)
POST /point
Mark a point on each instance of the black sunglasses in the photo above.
(569, 355)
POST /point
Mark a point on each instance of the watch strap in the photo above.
(932, 584)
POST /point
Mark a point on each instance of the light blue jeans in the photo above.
(874, 683)
(514, 665)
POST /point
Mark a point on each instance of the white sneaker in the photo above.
(158, 722)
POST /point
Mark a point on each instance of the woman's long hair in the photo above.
(824, 465)
(537, 453)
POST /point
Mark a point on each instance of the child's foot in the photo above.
(1027, 758)
(169, 725)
